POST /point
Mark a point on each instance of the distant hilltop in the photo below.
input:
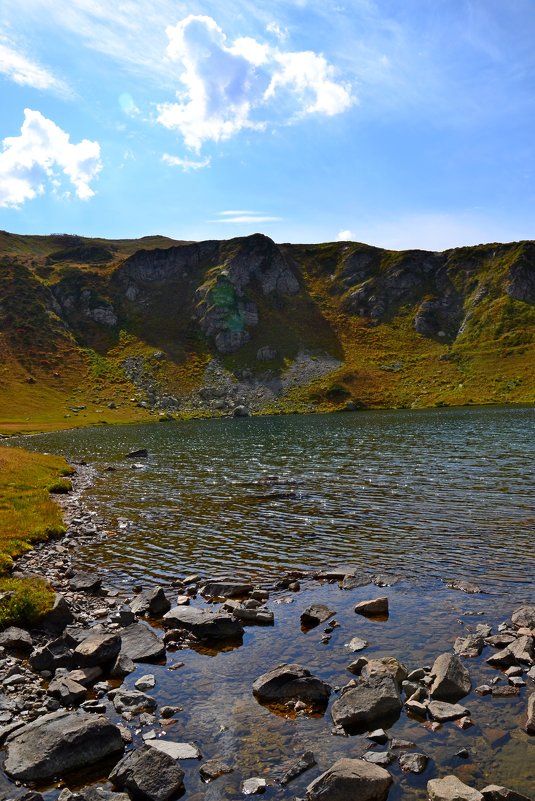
(95, 330)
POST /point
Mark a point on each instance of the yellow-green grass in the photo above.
(27, 514)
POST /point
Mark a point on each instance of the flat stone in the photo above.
(413, 763)
(59, 743)
(316, 614)
(382, 758)
(375, 606)
(205, 625)
(176, 750)
(97, 649)
(146, 682)
(258, 617)
(442, 711)
(370, 702)
(500, 640)
(85, 676)
(450, 788)
(148, 774)
(452, 680)
(226, 589)
(213, 769)
(350, 780)
(289, 682)
(140, 644)
(86, 582)
(67, 691)
(132, 701)
(356, 644)
(253, 786)
(304, 763)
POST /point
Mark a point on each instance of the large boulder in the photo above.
(205, 625)
(59, 743)
(151, 602)
(291, 683)
(97, 649)
(524, 617)
(372, 701)
(350, 780)
(140, 644)
(148, 774)
(450, 788)
(452, 680)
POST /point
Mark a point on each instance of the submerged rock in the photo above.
(291, 683)
(306, 761)
(59, 743)
(350, 780)
(369, 703)
(213, 769)
(413, 763)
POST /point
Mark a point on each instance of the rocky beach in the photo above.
(82, 716)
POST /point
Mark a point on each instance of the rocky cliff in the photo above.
(111, 330)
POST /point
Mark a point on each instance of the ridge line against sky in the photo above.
(400, 125)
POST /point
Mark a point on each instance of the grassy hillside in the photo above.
(95, 330)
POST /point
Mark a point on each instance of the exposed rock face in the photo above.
(350, 780)
(148, 774)
(452, 680)
(58, 743)
(371, 702)
(450, 788)
(291, 683)
(204, 624)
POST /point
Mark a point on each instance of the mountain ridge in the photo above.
(133, 329)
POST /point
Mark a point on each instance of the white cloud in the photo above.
(42, 152)
(244, 217)
(226, 83)
(345, 236)
(25, 72)
(186, 164)
(277, 30)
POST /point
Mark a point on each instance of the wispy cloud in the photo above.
(186, 164)
(42, 154)
(244, 217)
(23, 70)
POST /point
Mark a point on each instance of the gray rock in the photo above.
(357, 644)
(140, 453)
(59, 743)
(500, 640)
(502, 659)
(203, 624)
(86, 582)
(213, 769)
(54, 655)
(350, 780)
(494, 792)
(523, 649)
(226, 589)
(241, 411)
(132, 701)
(306, 761)
(122, 666)
(148, 775)
(85, 676)
(442, 711)
(97, 650)
(452, 680)
(450, 788)
(524, 617)
(316, 614)
(101, 794)
(369, 703)
(382, 758)
(11, 792)
(413, 763)
(258, 617)
(176, 750)
(291, 683)
(146, 682)
(140, 644)
(15, 639)
(59, 616)
(530, 720)
(253, 786)
(151, 602)
(375, 606)
(67, 691)
(470, 646)
(386, 666)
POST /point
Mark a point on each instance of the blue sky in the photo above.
(400, 124)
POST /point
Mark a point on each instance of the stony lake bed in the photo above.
(201, 690)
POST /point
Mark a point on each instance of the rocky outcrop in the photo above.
(350, 780)
(59, 743)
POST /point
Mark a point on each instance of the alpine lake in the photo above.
(417, 499)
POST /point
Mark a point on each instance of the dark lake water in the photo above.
(429, 496)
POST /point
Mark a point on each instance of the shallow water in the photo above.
(428, 496)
